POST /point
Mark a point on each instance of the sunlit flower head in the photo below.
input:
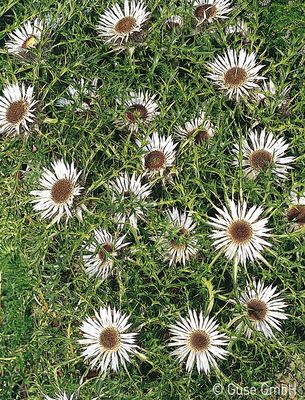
(200, 129)
(198, 341)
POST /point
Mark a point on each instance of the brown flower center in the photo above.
(297, 213)
(107, 248)
(257, 310)
(61, 191)
(110, 339)
(125, 25)
(155, 160)
(201, 136)
(235, 77)
(16, 111)
(29, 42)
(205, 11)
(136, 112)
(240, 231)
(260, 159)
(199, 340)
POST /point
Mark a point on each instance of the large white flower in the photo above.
(236, 74)
(159, 154)
(106, 340)
(103, 253)
(117, 25)
(263, 309)
(16, 109)
(25, 37)
(210, 10)
(140, 109)
(261, 152)
(200, 128)
(58, 189)
(177, 244)
(129, 196)
(198, 341)
(239, 232)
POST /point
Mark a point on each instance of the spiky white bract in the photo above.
(61, 396)
(271, 91)
(264, 309)
(25, 37)
(239, 232)
(178, 244)
(211, 10)
(263, 151)
(117, 25)
(103, 253)
(17, 106)
(235, 73)
(140, 110)
(198, 341)
(58, 188)
(82, 94)
(240, 27)
(129, 195)
(159, 154)
(200, 128)
(106, 340)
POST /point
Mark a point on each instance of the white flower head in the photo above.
(140, 110)
(239, 232)
(118, 26)
(159, 154)
(102, 254)
(296, 210)
(206, 11)
(59, 187)
(178, 244)
(198, 341)
(16, 109)
(200, 128)
(174, 22)
(264, 309)
(269, 91)
(261, 152)
(107, 342)
(235, 73)
(129, 195)
(81, 94)
(24, 38)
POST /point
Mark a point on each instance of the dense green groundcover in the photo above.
(45, 293)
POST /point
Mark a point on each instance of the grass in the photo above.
(45, 293)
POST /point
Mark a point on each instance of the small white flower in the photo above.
(16, 109)
(270, 90)
(59, 187)
(140, 110)
(240, 27)
(174, 22)
(296, 210)
(261, 152)
(81, 95)
(178, 244)
(116, 26)
(61, 396)
(234, 73)
(129, 196)
(239, 232)
(200, 128)
(210, 10)
(158, 155)
(103, 253)
(198, 341)
(25, 37)
(106, 341)
(263, 309)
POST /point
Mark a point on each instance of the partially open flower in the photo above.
(200, 129)
(206, 11)
(81, 95)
